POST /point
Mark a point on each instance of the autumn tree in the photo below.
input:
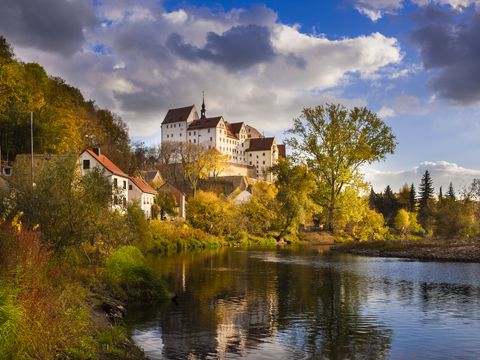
(216, 162)
(335, 142)
(295, 183)
(195, 164)
(403, 197)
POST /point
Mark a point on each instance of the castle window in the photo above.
(211, 139)
(167, 136)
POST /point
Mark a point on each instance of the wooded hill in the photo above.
(64, 121)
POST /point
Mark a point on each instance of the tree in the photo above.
(440, 195)
(212, 214)
(195, 162)
(167, 204)
(425, 203)
(403, 197)
(451, 192)
(216, 162)
(402, 221)
(412, 201)
(261, 209)
(295, 183)
(335, 142)
(390, 205)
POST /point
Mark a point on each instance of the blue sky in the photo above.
(414, 62)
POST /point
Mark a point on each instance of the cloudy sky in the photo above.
(415, 62)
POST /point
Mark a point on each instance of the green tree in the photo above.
(214, 215)
(451, 192)
(335, 142)
(426, 201)
(167, 204)
(412, 200)
(295, 184)
(440, 195)
(261, 209)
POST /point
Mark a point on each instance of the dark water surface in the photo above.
(304, 303)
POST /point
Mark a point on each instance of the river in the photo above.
(307, 303)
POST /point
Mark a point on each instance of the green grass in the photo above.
(10, 316)
(129, 276)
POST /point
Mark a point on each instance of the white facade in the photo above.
(233, 140)
(89, 160)
(144, 199)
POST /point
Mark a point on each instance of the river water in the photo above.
(307, 303)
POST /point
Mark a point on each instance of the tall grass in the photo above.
(129, 276)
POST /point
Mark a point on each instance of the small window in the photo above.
(208, 130)
(125, 183)
(211, 139)
(194, 133)
(167, 136)
(115, 200)
(86, 164)
(263, 162)
(180, 134)
(130, 187)
(115, 182)
(263, 154)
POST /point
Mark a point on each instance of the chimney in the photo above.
(96, 151)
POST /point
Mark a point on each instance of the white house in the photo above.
(143, 193)
(240, 142)
(92, 158)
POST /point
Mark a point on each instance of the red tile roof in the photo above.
(282, 151)
(204, 123)
(179, 114)
(142, 185)
(107, 163)
(259, 144)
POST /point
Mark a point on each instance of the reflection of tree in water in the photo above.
(329, 303)
(234, 302)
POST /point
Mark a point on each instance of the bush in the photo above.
(171, 237)
(129, 276)
(208, 212)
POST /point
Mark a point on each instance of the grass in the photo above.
(130, 277)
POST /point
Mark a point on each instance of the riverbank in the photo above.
(467, 250)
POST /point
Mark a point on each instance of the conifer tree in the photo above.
(412, 203)
(440, 195)
(451, 192)
(425, 206)
(372, 199)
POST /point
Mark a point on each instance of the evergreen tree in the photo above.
(412, 202)
(372, 199)
(388, 205)
(403, 197)
(425, 203)
(440, 195)
(451, 192)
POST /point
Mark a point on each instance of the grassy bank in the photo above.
(65, 306)
(467, 250)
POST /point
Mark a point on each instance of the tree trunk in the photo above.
(331, 209)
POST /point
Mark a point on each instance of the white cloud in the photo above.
(376, 9)
(141, 77)
(386, 112)
(442, 172)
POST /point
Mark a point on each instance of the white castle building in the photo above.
(249, 152)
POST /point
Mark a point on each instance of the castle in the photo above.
(249, 153)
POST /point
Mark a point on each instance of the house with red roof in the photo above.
(141, 192)
(93, 158)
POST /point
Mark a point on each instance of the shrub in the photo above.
(129, 276)
(214, 215)
(169, 237)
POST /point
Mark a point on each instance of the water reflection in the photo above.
(301, 304)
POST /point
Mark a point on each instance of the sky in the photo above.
(416, 63)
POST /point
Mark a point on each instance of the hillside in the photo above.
(64, 121)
